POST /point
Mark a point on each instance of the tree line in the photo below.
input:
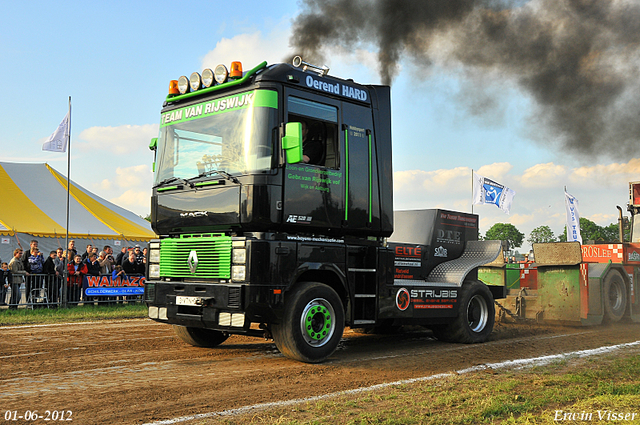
(589, 231)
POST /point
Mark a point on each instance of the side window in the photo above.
(319, 131)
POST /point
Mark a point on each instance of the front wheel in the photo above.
(615, 297)
(199, 337)
(312, 325)
(475, 319)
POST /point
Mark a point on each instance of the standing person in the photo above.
(27, 253)
(85, 254)
(60, 268)
(140, 258)
(131, 266)
(5, 283)
(18, 273)
(76, 270)
(109, 262)
(121, 256)
(93, 266)
(93, 269)
(49, 267)
(53, 287)
(72, 247)
(59, 261)
(34, 266)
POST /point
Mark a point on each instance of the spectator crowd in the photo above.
(43, 278)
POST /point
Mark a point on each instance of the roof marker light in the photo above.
(173, 87)
(236, 70)
(207, 78)
(221, 73)
(183, 84)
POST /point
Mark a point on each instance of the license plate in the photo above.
(196, 301)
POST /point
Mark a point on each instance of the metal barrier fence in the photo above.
(48, 291)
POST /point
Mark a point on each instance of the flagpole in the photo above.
(66, 270)
(472, 191)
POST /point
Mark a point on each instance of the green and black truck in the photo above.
(273, 202)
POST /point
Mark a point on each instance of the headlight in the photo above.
(154, 270)
(207, 77)
(239, 255)
(238, 273)
(195, 81)
(221, 73)
(183, 84)
(154, 256)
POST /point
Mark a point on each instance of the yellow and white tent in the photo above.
(33, 205)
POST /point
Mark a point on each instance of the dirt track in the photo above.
(136, 371)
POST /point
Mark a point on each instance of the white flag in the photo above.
(487, 191)
(573, 218)
(57, 142)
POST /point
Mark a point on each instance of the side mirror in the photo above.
(292, 142)
(154, 147)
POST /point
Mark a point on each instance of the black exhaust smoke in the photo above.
(578, 59)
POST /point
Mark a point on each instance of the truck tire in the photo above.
(475, 319)
(614, 291)
(199, 337)
(312, 325)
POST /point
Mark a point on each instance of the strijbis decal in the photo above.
(403, 299)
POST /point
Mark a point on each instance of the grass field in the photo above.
(23, 316)
(603, 390)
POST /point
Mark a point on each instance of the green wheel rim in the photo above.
(317, 322)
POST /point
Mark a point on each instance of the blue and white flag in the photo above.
(487, 191)
(57, 142)
(573, 218)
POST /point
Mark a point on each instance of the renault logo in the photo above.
(193, 261)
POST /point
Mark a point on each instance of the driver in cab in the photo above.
(312, 149)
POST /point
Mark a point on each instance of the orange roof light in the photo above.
(173, 87)
(236, 70)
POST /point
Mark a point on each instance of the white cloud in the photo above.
(134, 200)
(607, 174)
(250, 49)
(432, 181)
(496, 171)
(129, 188)
(544, 175)
(120, 140)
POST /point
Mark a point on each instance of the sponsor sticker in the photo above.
(403, 299)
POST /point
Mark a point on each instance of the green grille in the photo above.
(213, 252)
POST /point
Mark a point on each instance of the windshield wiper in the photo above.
(172, 179)
(210, 172)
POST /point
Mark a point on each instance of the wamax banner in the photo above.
(486, 191)
(573, 218)
(107, 286)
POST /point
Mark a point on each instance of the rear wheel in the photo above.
(475, 319)
(312, 325)
(615, 296)
(199, 337)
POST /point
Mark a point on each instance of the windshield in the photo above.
(232, 134)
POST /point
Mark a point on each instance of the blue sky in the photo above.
(115, 59)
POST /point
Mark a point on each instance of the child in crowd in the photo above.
(117, 272)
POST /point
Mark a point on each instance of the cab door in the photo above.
(313, 192)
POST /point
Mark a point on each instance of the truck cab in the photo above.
(273, 201)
